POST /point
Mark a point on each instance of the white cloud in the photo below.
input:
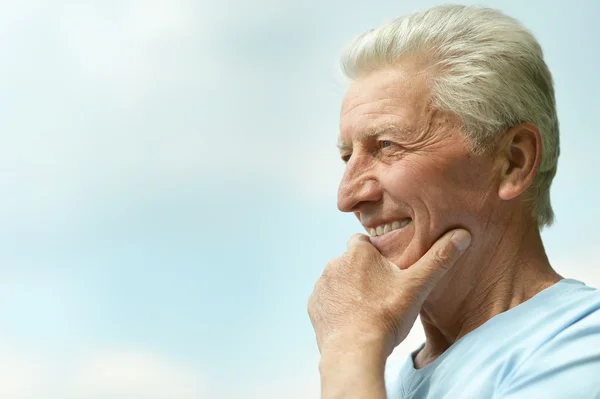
(91, 142)
(108, 374)
(134, 48)
(22, 376)
(81, 69)
(131, 374)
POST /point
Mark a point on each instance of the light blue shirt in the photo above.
(547, 347)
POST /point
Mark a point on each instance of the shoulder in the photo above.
(567, 364)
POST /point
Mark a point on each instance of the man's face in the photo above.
(410, 176)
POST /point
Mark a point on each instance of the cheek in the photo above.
(442, 195)
(421, 184)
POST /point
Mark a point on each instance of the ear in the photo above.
(519, 154)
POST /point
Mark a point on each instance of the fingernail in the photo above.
(461, 239)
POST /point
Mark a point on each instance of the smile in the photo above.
(388, 227)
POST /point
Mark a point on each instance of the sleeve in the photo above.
(566, 367)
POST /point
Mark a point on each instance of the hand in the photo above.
(364, 300)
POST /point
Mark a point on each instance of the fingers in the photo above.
(440, 258)
(360, 245)
(357, 241)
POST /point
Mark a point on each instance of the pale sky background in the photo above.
(168, 187)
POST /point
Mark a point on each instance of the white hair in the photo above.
(488, 70)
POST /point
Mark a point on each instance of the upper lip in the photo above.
(372, 223)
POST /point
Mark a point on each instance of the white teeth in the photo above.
(386, 228)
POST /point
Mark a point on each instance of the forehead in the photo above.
(393, 96)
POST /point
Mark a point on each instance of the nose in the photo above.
(359, 184)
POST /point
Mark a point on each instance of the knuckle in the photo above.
(361, 255)
(328, 270)
(341, 263)
(445, 256)
(442, 260)
(354, 248)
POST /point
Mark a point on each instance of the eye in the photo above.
(346, 158)
(385, 143)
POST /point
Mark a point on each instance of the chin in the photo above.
(398, 246)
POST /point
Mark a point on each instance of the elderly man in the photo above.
(450, 138)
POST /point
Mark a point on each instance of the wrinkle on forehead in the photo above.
(398, 96)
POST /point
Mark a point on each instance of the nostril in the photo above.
(352, 195)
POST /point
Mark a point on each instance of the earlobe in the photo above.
(520, 157)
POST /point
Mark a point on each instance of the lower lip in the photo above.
(384, 240)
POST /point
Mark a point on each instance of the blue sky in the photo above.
(169, 184)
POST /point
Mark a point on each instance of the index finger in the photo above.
(357, 241)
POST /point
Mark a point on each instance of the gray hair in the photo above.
(489, 71)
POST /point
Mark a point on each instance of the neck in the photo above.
(495, 275)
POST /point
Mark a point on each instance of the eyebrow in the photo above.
(373, 132)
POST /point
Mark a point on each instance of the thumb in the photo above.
(439, 259)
